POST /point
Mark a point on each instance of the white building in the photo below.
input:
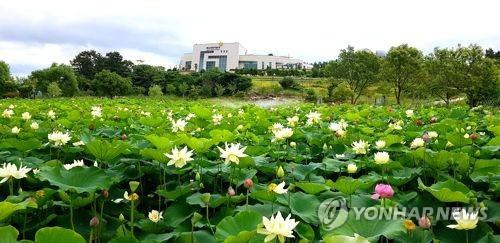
(232, 56)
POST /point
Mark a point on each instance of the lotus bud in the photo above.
(94, 222)
(91, 126)
(426, 137)
(433, 119)
(121, 218)
(124, 137)
(473, 136)
(424, 222)
(201, 185)
(205, 197)
(248, 183)
(481, 205)
(419, 122)
(352, 168)
(280, 172)
(293, 144)
(197, 176)
(195, 218)
(105, 193)
(133, 185)
(230, 191)
(325, 147)
(477, 153)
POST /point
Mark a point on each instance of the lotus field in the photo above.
(154, 170)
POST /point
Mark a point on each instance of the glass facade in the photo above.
(222, 63)
(210, 65)
(188, 65)
(249, 65)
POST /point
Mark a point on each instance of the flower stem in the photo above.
(91, 233)
(467, 236)
(132, 217)
(11, 186)
(247, 200)
(71, 211)
(208, 221)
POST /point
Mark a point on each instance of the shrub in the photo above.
(183, 88)
(170, 89)
(219, 90)
(61, 74)
(110, 84)
(195, 91)
(311, 95)
(53, 90)
(155, 91)
(342, 92)
(289, 83)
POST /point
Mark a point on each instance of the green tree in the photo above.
(114, 62)
(342, 92)
(443, 72)
(146, 75)
(359, 68)
(87, 63)
(62, 74)
(402, 68)
(111, 84)
(6, 84)
(155, 91)
(53, 90)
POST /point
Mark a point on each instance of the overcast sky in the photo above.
(35, 33)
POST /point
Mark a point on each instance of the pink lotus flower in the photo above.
(382, 191)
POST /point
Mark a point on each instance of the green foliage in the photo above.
(342, 92)
(61, 74)
(289, 83)
(53, 90)
(311, 95)
(146, 75)
(155, 91)
(110, 84)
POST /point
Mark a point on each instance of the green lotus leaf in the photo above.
(154, 154)
(369, 229)
(105, 151)
(347, 185)
(345, 239)
(162, 143)
(305, 231)
(78, 179)
(311, 187)
(8, 208)
(403, 176)
(241, 222)
(448, 191)
(57, 234)
(305, 206)
(21, 145)
(8, 234)
(219, 135)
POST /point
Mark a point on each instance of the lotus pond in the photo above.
(146, 170)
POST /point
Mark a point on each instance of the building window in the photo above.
(210, 65)
(249, 65)
(188, 65)
(222, 63)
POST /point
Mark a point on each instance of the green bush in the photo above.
(111, 84)
(155, 91)
(170, 89)
(342, 92)
(311, 95)
(219, 90)
(53, 90)
(289, 83)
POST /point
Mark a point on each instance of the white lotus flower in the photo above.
(241, 112)
(232, 153)
(276, 226)
(432, 134)
(278, 189)
(283, 134)
(26, 116)
(276, 127)
(190, 116)
(465, 221)
(449, 144)
(339, 156)
(313, 117)
(11, 106)
(334, 127)
(15, 130)
(51, 114)
(8, 171)
(292, 121)
(352, 168)
(360, 147)
(417, 143)
(381, 158)
(340, 133)
(178, 125)
(155, 216)
(380, 144)
(34, 126)
(8, 113)
(179, 158)
(78, 144)
(96, 111)
(59, 138)
(217, 119)
(409, 113)
(396, 125)
(76, 163)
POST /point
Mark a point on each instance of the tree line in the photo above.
(92, 73)
(445, 73)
